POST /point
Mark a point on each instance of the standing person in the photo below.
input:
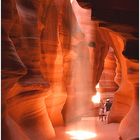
(101, 114)
(108, 105)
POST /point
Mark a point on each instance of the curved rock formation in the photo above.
(25, 100)
(130, 121)
(119, 112)
(34, 98)
(107, 83)
(85, 66)
(12, 66)
(52, 59)
(56, 52)
(120, 22)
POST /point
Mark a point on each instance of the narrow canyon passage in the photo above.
(70, 70)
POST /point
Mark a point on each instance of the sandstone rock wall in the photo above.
(87, 60)
(29, 100)
(107, 80)
(52, 59)
(119, 19)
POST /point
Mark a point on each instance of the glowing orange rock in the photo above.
(107, 83)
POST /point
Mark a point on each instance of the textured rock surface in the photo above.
(107, 82)
(85, 66)
(123, 92)
(120, 106)
(12, 67)
(57, 55)
(31, 105)
(79, 85)
(129, 122)
(122, 18)
(52, 60)
(53, 57)
(25, 98)
(31, 88)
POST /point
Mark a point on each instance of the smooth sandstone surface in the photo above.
(53, 55)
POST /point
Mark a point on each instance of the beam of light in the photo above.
(96, 98)
(81, 134)
(71, 1)
(97, 86)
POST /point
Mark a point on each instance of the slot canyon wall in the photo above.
(107, 82)
(87, 65)
(118, 24)
(35, 50)
(41, 44)
(53, 57)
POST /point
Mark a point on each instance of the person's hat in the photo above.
(107, 99)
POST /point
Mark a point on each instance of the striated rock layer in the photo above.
(25, 99)
(118, 21)
(35, 94)
(107, 79)
(53, 56)
(86, 63)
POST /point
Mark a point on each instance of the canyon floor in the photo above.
(88, 128)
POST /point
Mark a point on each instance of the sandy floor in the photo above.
(102, 130)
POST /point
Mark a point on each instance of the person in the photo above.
(101, 114)
(108, 105)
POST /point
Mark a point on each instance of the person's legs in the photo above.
(107, 113)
